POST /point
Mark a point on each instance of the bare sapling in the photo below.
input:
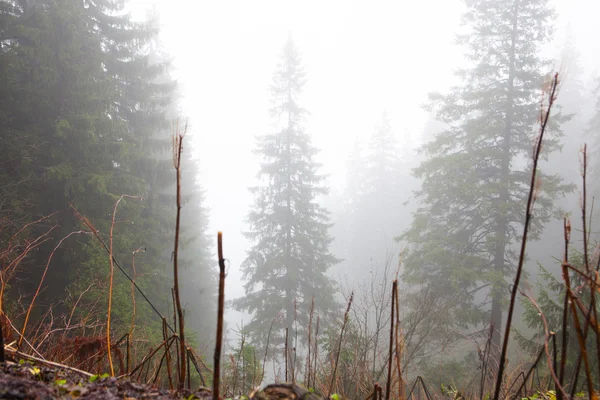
(339, 349)
(177, 151)
(220, 313)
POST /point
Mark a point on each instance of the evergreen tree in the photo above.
(476, 178)
(288, 263)
(86, 108)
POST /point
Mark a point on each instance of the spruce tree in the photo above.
(87, 104)
(476, 178)
(288, 262)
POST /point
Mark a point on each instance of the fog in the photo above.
(426, 167)
(360, 58)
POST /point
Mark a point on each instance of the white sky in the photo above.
(361, 57)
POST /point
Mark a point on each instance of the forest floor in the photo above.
(24, 381)
(30, 381)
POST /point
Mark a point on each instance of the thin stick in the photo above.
(389, 376)
(162, 360)
(196, 366)
(149, 356)
(285, 354)
(132, 326)
(177, 151)
(580, 335)
(243, 360)
(95, 231)
(314, 380)
(177, 364)
(39, 288)
(399, 348)
(586, 254)
(266, 350)
(526, 377)
(337, 356)
(46, 362)
(254, 367)
(565, 318)
(110, 280)
(221, 310)
(168, 355)
(547, 336)
(586, 258)
(528, 214)
(310, 319)
(295, 341)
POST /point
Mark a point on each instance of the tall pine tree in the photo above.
(86, 106)
(288, 263)
(476, 178)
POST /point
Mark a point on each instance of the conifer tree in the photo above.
(476, 178)
(87, 106)
(288, 262)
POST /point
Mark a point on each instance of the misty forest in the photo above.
(270, 199)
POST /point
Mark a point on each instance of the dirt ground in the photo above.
(29, 381)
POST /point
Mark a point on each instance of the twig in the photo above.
(295, 341)
(585, 250)
(310, 319)
(95, 232)
(39, 288)
(221, 310)
(46, 362)
(110, 280)
(149, 356)
(195, 363)
(528, 214)
(399, 347)
(389, 376)
(526, 377)
(547, 336)
(177, 151)
(580, 335)
(132, 326)
(339, 350)
(168, 355)
(565, 317)
(315, 357)
(285, 354)
(162, 360)
(266, 350)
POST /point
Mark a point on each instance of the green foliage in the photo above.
(288, 262)
(549, 395)
(87, 105)
(550, 298)
(95, 377)
(354, 374)
(242, 370)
